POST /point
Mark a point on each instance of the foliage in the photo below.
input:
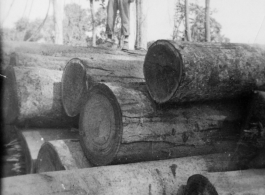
(197, 23)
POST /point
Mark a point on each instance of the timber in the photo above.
(184, 72)
(32, 139)
(157, 177)
(60, 155)
(36, 97)
(80, 75)
(117, 114)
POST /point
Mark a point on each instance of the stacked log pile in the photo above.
(180, 100)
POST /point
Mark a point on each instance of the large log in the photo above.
(36, 97)
(116, 113)
(32, 139)
(157, 177)
(80, 75)
(61, 155)
(184, 71)
(61, 50)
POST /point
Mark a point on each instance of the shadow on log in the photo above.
(61, 155)
(185, 71)
(117, 114)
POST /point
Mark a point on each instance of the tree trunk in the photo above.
(207, 21)
(80, 75)
(37, 98)
(32, 140)
(117, 113)
(187, 23)
(61, 155)
(141, 25)
(92, 3)
(156, 178)
(58, 14)
(185, 72)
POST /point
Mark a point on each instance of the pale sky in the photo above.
(242, 21)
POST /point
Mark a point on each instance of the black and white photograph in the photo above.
(132, 97)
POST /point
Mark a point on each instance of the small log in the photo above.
(157, 177)
(61, 155)
(80, 75)
(32, 139)
(36, 98)
(183, 71)
(117, 113)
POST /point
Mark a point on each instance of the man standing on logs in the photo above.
(124, 7)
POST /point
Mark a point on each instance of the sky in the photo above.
(243, 21)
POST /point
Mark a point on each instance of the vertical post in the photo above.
(187, 27)
(207, 20)
(58, 13)
(132, 36)
(141, 25)
(92, 3)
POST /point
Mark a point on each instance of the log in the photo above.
(80, 75)
(62, 50)
(184, 72)
(157, 177)
(32, 139)
(61, 155)
(236, 182)
(36, 98)
(117, 114)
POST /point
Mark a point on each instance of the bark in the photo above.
(116, 113)
(38, 98)
(184, 72)
(32, 140)
(60, 155)
(160, 177)
(80, 75)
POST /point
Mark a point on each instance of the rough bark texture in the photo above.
(119, 113)
(183, 72)
(160, 177)
(80, 75)
(32, 140)
(61, 155)
(38, 92)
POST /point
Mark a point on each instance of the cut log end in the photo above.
(61, 155)
(101, 126)
(48, 159)
(74, 87)
(162, 70)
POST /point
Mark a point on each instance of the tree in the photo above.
(207, 20)
(197, 21)
(58, 11)
(187, 25)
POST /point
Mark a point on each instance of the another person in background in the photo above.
(124, 7)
